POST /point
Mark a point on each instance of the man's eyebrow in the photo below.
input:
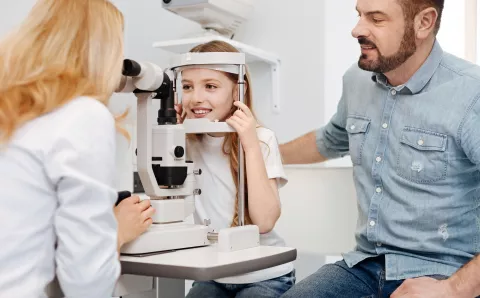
(369, 13)
(375, 12)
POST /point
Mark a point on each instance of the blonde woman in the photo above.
(57, 73)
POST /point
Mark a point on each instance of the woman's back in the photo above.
(57, 191)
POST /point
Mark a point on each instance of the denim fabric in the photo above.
(415, 150)
(271, 288)
(365, 280)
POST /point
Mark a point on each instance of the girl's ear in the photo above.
(235, 91)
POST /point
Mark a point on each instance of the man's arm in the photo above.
(465, 283)
(466, 280)
(329, 142)
(302, 150)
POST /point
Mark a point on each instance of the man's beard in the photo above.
(385, 64)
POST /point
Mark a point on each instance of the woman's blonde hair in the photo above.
(64, 49)
(230, 145)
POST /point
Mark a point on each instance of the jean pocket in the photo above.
(422, 156)
(357, 128)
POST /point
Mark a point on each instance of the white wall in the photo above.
(295, 32)
(319, 214)
(13, 13)
(452, 30)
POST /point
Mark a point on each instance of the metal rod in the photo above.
(241, 158)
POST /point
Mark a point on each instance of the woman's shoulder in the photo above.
(82, 119)
(87, 106)
(82, 113)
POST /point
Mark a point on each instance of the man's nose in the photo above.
(360, 30)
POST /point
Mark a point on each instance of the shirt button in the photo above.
(378, 190)
(352, 127)
(379, 244)
(394, 92)
(378, 159)
(372, 223)
(384, 125)
(420, 142)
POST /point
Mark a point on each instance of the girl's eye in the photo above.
(186, 87)
(210, 86)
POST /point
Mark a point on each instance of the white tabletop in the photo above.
(206, 263)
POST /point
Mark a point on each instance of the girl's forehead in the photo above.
(202, 74)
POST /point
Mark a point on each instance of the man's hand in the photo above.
(133, 217)
(425, 287)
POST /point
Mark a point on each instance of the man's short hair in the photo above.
(412, 7)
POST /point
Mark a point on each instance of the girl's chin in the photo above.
(201, 116)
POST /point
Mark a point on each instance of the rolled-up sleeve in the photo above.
(332, 139)
(81, 166)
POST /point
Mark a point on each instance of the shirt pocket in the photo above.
(422, 156)
(357, 128)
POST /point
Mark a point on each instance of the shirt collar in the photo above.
(423, 75)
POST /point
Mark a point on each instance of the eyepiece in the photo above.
(131, 68)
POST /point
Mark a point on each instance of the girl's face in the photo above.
(207, 94)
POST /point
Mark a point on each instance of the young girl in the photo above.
(213, 95)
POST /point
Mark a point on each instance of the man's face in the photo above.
(386, 39)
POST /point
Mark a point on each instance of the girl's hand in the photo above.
(179, 110)
(245, 125)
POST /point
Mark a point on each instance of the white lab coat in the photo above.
(56, 204)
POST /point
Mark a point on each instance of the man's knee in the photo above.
(322, 283)
(332, 280)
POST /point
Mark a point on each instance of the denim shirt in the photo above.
(415, 150)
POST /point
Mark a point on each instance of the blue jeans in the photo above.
(365, 280)
(271, 288)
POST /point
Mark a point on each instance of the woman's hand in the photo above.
(133, 217)
(245, 125)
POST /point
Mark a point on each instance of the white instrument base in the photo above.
(168, 211)
(238, 238)
(165, 237)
